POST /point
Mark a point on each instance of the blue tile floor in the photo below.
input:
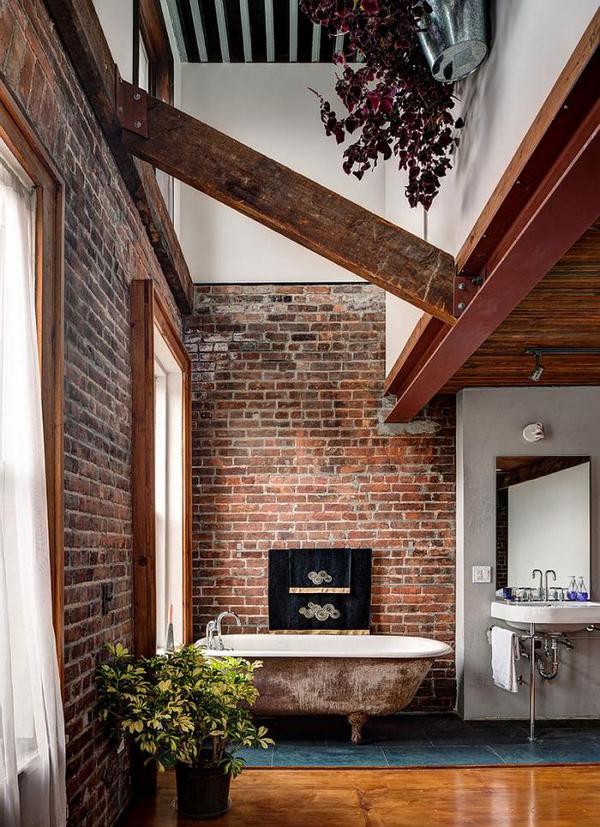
(426, 741)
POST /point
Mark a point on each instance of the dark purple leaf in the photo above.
(394, 105)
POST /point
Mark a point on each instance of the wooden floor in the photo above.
(558, 796)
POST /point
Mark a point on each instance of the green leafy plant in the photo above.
(181, 707)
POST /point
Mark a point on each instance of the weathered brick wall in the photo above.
(502, 538)
(289, 450)
(105, 247)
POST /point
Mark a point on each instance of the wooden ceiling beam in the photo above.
(80, 30)
(293, 205)
(248, 181)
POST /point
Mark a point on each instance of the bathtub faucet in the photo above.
(213, 631)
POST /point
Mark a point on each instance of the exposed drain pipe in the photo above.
(454, 38)
(550, 656)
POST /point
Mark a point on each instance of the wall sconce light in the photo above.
(533, 432)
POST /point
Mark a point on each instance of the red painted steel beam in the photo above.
(427, 332)
(562, 206)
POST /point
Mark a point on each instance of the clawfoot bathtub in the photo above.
(355, 676)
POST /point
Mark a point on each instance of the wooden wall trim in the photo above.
(86, 45)
(22, 140)
(148, 311)
(142, 476)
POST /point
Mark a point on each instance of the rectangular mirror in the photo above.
(542, 520)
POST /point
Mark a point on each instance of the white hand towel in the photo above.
(505, 654)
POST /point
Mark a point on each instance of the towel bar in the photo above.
(532, 638)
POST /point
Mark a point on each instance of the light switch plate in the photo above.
(482, 574)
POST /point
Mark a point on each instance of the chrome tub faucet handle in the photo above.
(211, 630)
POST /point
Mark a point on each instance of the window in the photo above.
(154, 44)
(20, 410)
(156, 73)
(161, 474)
(32, 748)
(168, 492)
(144, 67)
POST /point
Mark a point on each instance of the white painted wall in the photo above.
(489, 424)
(400, 316)
(116, 18)
(271, 109)
(532, 43)
(549, 527)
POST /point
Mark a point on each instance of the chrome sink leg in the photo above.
(532, 682)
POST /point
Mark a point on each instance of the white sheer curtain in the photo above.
(32, 742)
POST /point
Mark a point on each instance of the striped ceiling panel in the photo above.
(249, 31)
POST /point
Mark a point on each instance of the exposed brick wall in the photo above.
(288, 450)
(105, 247)
(502, 538)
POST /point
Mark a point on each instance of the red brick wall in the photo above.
(502, 538)
(289, 450)
(105, 247)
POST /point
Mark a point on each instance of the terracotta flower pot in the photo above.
(202, 792)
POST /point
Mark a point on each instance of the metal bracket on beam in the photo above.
(132, 106)
(465, 290)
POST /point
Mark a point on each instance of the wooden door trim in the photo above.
(142, 475)
(147, 311)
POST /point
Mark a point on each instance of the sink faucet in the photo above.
(540, 590)
(546, 588)
(213, 631)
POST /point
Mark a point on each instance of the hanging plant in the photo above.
(394, 105)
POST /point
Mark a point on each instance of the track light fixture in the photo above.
(538, 368)
(538, 352)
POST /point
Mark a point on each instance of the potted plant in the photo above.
(187, 711)
(393, 106)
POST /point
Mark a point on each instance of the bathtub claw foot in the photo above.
(357, 720)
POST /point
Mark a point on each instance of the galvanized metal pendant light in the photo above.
(455, 38)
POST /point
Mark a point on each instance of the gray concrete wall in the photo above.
(489, 424)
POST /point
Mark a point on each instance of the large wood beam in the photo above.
(295, 206)
(553, 199)
(84, 40)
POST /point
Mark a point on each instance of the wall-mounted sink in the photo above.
(556, 616)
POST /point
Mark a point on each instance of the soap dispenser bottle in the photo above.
(572, 590)
(582, 592)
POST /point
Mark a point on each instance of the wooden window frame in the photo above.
(147, 311)
(156, 40)
(26, 146)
